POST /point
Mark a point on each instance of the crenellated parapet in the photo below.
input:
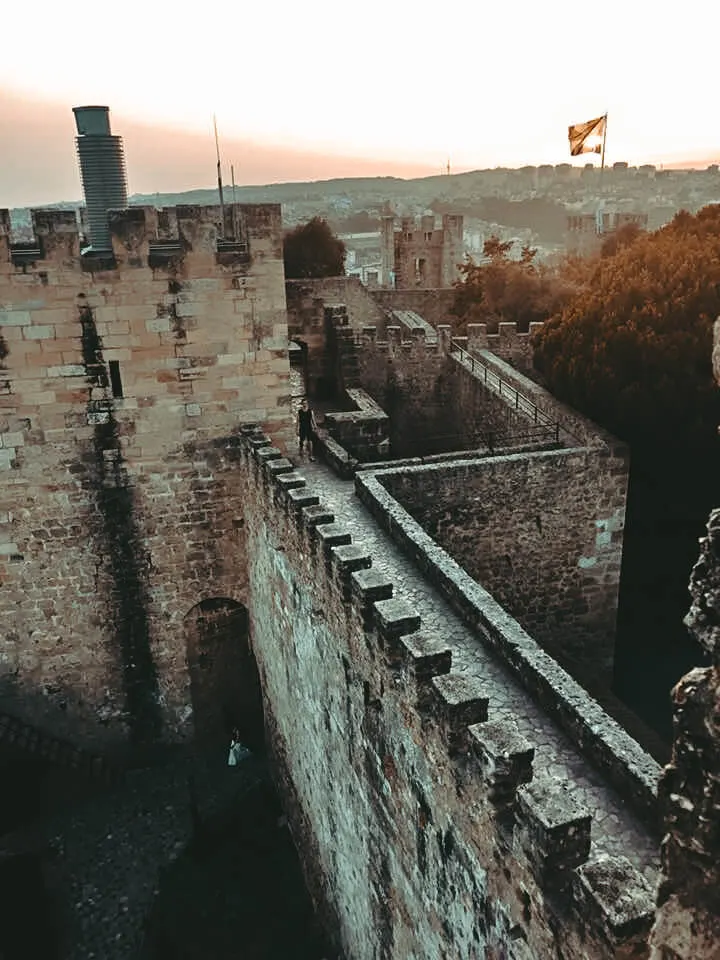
(147, 237)
(401, 341)
(56, 240)
(509, 343)
(526, 835)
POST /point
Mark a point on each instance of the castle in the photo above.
(167, 569)
(420, 254)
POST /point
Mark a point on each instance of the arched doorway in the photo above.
(299, 367)
(224, 680)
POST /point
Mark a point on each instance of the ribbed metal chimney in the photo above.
(102, 166)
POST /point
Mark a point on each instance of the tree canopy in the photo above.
(632, 346)
(519, 291)
(312, 250)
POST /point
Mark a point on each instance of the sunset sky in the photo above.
(320, 89)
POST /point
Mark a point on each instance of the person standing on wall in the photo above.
(307, 429)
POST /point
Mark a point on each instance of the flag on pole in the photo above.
(587, 137)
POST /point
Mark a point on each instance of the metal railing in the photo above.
(506, 390)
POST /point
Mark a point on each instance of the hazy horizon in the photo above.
(311, 92)
(39, 164)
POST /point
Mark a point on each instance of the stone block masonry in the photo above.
(608, 746)
(433, 305)
(435, 404)
(424, 826)
(126, 381)
(306, 301)
(542, 532)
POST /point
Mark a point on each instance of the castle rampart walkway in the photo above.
(616, 831)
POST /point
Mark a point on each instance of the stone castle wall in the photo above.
(435, 405)
(509, 344)
(420, 820)
(432, 305)
(306, 301)
(120, 513)
(542, 533)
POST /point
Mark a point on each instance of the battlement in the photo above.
(508, 343)
(632, 771)
(507, 334)
(404, 670)
(145, 236)
(409, 342)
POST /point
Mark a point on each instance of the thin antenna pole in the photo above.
(219, 179)
(602, 154)
(234, 208)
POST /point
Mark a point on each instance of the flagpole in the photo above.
(602, 163)
(601, 203)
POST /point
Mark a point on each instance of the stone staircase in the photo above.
(38, 745)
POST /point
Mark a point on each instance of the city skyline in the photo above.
(301, 94)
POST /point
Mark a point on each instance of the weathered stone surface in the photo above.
(505, 758)
(704, 615)
(426, 657)
(124, 512)
(542, 532)
(622, 760)
(460, 700)
(616, 902)
(402, 839)
(395, 618)
(554, 828)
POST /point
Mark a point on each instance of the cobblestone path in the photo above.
(112, 849)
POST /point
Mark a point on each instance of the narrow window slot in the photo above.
(115, 379)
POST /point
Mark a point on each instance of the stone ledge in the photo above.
(505, 758)
(459, 701)
(275, 467)
(395, 618)
(425, 657)
(553, 829)
(349, 557)
(291, 481)
(345, 560)
(316, 514)
(337, 457)
(264, 453)
(331, 535)
(612, 895)
(300, 497)
(367, 587)
(370, 585)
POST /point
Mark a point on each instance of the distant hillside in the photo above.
(282, 192)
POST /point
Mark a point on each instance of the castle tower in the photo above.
(453, 248)
(102, 166)
(387, 250)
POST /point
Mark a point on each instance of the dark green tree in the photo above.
(501, 289)
(312, 250)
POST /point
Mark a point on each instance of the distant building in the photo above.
(421, 253)
(586, 231)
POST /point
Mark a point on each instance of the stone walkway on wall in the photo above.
(615, 829)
